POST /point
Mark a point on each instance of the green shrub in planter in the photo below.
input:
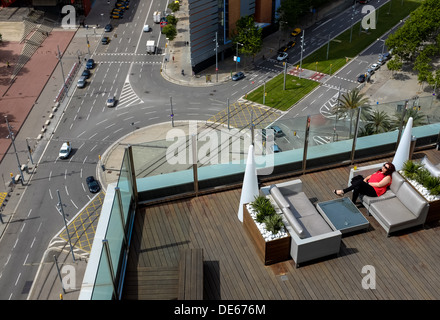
(263, 207)
(410, 169)
(416, 171)
(274, 223)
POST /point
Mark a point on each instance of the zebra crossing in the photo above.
(327, 109)
(128, 97)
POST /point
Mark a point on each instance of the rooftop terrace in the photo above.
(406, 264)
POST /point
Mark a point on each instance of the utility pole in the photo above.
(302, 49)
(216, 57)
(11, 135)
(228, 114)
(62, 70)
(264, 92)
(172, 113)
(285, 72)
(237, 58)
(60, 209)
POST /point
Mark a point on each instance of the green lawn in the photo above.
(341, 50)
(278, 98)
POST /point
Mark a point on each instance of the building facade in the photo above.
(215, 19)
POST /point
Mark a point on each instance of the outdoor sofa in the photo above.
(401, 206)
(311, 236)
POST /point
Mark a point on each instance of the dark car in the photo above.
(238, 76)
(93, 184)
(105, 40)
(90, 64)
(283, 49)
(361, 78)
(291, 44)
(86, 74)
(108, 28)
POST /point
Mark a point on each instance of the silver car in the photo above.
(81, 82)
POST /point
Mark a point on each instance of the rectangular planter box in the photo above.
(434, 211)
(434, 206)
(271, 251)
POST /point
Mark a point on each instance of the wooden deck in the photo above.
(405, 264)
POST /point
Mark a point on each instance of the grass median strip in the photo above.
(276, 97)
(341, 49)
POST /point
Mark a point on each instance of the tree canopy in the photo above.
(418, 41)
(170, 31)
(249, 35)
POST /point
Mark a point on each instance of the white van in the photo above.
(146, 28)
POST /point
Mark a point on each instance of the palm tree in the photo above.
(349, 102)
(378, 122)
(419, 119)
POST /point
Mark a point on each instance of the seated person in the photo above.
(374, 185)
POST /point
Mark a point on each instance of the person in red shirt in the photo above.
(374, 185)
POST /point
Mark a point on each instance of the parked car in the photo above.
(375, 66)
(108, 28)
(92, 184)
(90, 64)
(65, 150)
(384, 58)
(105, 40)
(86, 73)
(296, 32)
(275, 148)
(291, 44)
(111, 102)
(277, 131)
(282, 56)
(118, 11)
(361, 78)
(238, 76)
(370, 71)
(283, 49)
(81, 82)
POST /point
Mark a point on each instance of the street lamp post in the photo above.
(216, 56)
(236, 58)
(302, 49)
(61, 210)
(11, 135)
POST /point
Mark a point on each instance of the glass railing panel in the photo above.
(115, 234)
(103, 287)
(124, 184)
(329, 140)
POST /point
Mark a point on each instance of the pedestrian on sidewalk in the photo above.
(7, 64)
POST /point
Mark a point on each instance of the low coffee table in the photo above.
(341, 214)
